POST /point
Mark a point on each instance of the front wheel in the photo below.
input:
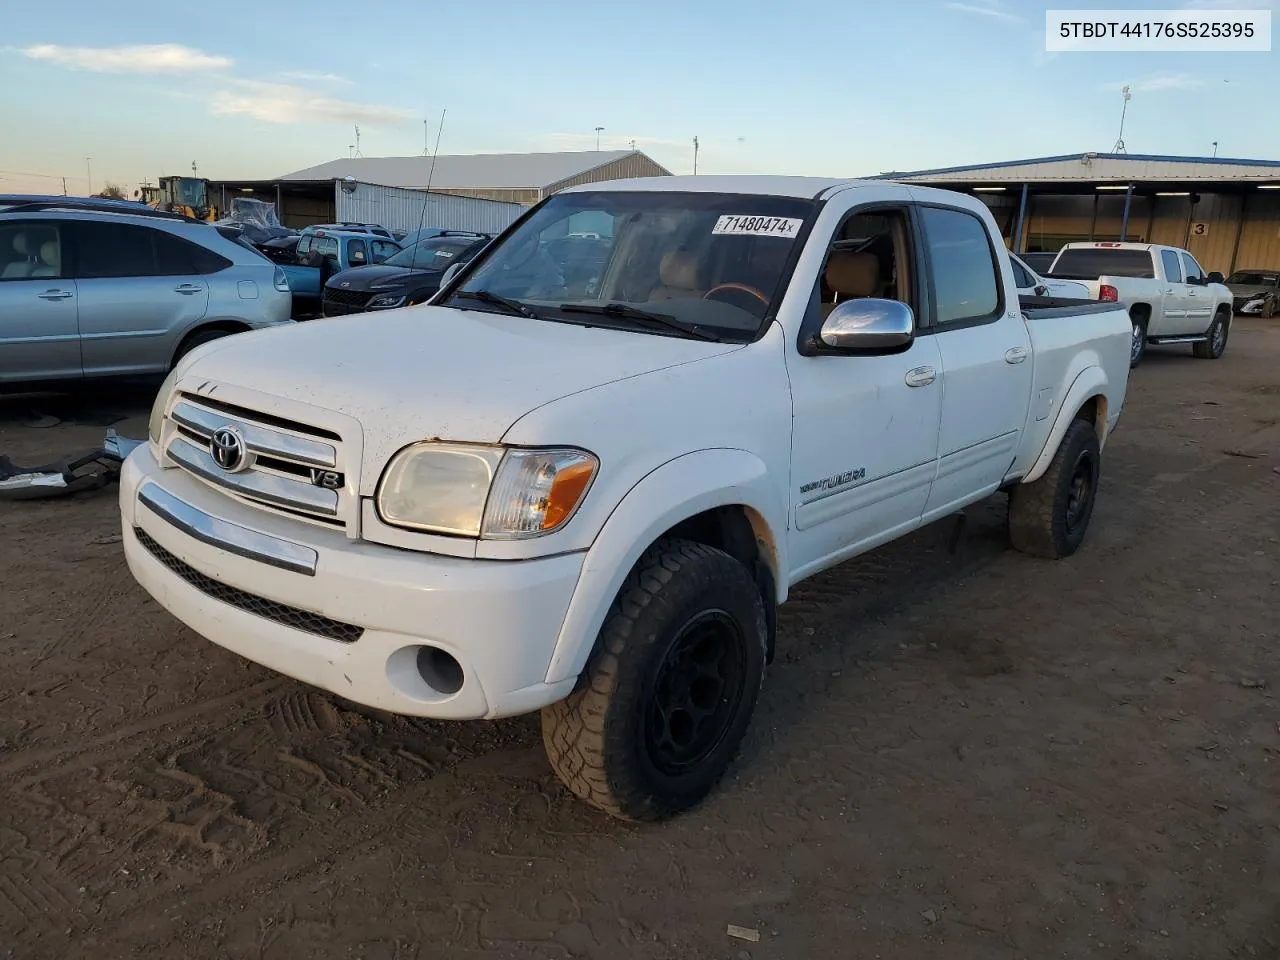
(1049, 517)
(665, 701)
(1216, 342)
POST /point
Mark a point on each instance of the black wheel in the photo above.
(1138, 344)
(197, 339)
(665, 701)
(1212, 348)
(1049, 517)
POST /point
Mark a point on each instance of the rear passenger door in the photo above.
(140, 292)
(1173, 319)
(39, 335)
(986, 358)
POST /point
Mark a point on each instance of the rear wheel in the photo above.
(1138, 341)
(1213, 347)
(1049, 517)
(666, 698)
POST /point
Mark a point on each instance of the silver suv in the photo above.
(87, 290)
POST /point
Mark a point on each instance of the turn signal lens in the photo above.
(536, 492)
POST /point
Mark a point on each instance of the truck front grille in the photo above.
(280, 613)
(287, 467)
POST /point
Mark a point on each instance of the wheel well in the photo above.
(1094, 411)
(743, 534)
(226, 326)
(1140, 311)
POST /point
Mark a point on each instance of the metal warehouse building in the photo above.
(300, 203)
(511, 177)
(1225, 211)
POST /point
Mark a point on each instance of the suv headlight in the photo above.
(155, 424)
(475, 490)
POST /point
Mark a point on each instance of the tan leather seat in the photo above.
(19, 269)
(50, 260)
(851, 274)
(679, 275)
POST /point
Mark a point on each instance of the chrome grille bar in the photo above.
(258, 439)
(255, 485)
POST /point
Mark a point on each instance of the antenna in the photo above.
(1119, 147)
(426, 199)
(633, 143)
(695, 156)
(357, 147)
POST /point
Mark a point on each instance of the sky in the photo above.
(137, 89)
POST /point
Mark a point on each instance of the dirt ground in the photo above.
(969, 755)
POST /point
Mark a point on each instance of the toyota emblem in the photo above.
(228, 450)
(344, 283)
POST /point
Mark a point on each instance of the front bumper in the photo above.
(354, 618)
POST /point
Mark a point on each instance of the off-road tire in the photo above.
(1138, 345)
(1039, 512)
(597, 738)
(1216, 345)
(197, 339)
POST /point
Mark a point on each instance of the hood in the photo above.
(427, 372)
(1248, 289)
(362, 278)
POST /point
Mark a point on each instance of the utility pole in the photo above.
(1215, 149)
(64, 186)
(426, 139)
(695, 156)
(357, 126)
(88, 169)
(1119, 147)
(598, 129)
(194, 171)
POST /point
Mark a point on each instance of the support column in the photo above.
(1022, 216)
(1235, 247)
(1093, 221)
(1124, 219)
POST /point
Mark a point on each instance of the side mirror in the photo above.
(450, 273)
(1041, 290)
(1215, 277)
(868, 324)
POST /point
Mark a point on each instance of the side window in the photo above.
(108, 250)
(357, 253)
(965, 281)
(326, 247)
(30, 250)
(1194, 273)
(382, 250)
(1021, 278)
(869, 257)
(1172, 272)
(176, 256)
(304, 245)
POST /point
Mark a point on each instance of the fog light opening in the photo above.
(440, 670)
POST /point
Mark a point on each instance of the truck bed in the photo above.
(1061, 306)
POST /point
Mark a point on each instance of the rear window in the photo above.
(1090, 263)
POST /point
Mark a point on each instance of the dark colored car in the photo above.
(281, 249)
(408, 278)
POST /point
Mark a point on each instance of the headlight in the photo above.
(473, 490)
(386, 301)
(156, 422)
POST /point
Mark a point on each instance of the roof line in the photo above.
(1234, 161)
(598, 166)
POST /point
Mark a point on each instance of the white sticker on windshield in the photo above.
(744, 226)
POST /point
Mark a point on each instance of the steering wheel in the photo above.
(737, 286)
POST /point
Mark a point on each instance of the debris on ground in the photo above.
(744, 933)
(1243, 454)
(930, 916)
(1253, 683)
(75, 472)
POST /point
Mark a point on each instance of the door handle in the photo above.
(55, 295)
(187, 288)
(920, 376)
(1015, 355)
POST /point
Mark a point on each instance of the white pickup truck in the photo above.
(584, 491)
(1169, 297)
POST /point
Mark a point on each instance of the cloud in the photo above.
(307, 76)
(992, 9)
(284, 103)
(1158, 83)
(153, 58)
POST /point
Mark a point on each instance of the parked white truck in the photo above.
(587, 496)
(1169, 297)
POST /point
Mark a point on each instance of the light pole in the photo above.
(598, 130)
(695, 156)
(88, 169)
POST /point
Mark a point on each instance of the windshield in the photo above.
(1252, 278)
(435, 253)
(711, 261)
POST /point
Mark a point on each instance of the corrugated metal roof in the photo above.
(1091, 167)
(508, 171)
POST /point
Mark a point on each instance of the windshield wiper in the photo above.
(635, 313)
(487, 296)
